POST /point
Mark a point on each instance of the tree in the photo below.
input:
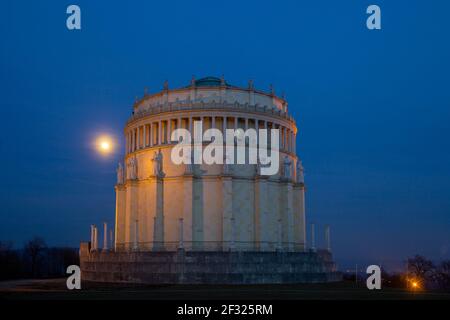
(33, 250)
(10, 264)
(443, 275)
(420, 267)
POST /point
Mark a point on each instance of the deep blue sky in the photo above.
(373, 108)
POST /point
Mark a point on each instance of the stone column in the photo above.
(227, 212)
(156, 245)
(327, 238)
(197, 213)
(187, 208)
(257, 131)
(131, 133)
(130, 141)
(290, 140)
(158, 233)
(151, 134)
(111, 243)
(262, 219)
(131, 211)
(299, 216)
(286, 139)
(232, 245)
(144, 136)
(202, 120)
(280, 235)
(236, 120)
(224, 127)
(159, 132)
(136, 139)
(169, 130)
(121, 207)
(288, 215)
(294, 139)
(313, 237)
(105, 236)
(92, 237)
(280, 140)
(180, 230)
(136, 235)
(190, 126)
(246, 124)
(95, 238)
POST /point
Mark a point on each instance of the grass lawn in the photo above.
(56, 289)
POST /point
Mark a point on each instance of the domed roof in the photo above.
(209, 82)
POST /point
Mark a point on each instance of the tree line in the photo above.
(35, 260)
(420, 273)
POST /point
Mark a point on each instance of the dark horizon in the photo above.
(372, 109)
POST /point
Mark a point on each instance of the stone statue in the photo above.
(300, 175)
(132, 169)
(287, 168)
(250, 84)
(158, 165)
(119, 171)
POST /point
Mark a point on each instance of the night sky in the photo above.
(372, 108)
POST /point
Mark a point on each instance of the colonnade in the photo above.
(156, 133)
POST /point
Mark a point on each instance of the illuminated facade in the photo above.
(162, 206)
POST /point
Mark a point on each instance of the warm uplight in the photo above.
(415, 284)
(104, 145)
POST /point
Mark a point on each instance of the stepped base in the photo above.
(199, 267)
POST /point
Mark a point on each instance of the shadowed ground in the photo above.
(56, 289)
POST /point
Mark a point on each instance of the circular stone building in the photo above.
(207, 223)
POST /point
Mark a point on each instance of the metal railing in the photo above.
(260, 246)
(189, 105)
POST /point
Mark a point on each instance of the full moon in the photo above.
(104, 145)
